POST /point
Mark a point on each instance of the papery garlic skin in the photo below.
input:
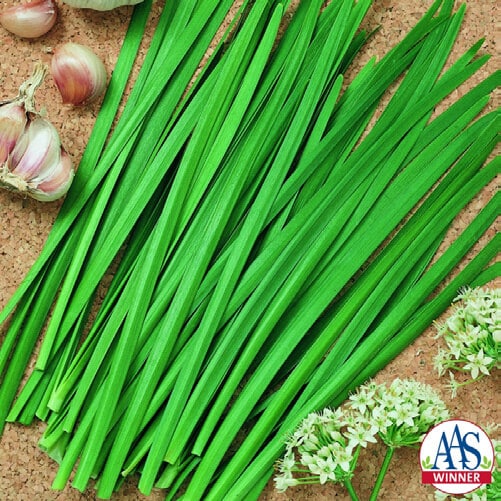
(100, 4)
(30, 20)
(79, 73)
(13, 120)
(38, 166)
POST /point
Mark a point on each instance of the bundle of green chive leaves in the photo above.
(272, 250)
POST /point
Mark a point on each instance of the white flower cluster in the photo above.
(409, 409)
(472, 334)
(326, 445)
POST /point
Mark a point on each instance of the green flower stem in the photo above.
(351, 490)
(382, 473)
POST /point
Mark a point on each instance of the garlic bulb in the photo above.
(78, 72)
(100, 4)
(30, 20)
(32, 160)
(38, 165)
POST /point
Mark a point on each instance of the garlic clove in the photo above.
(55, 185)
(79, 73)
(30, 20)
(36, 151)
(12, 123)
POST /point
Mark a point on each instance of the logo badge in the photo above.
(456, 457)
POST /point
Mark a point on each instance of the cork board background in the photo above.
(25, 472)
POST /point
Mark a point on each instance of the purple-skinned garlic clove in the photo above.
(31, 19)
(79, 73)
(13, 120)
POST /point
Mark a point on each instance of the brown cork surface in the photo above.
(26, 472)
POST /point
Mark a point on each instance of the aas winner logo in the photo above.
(456, 457)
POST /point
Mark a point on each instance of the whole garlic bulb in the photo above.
(32, 159)
(100, 4)
(38, 165)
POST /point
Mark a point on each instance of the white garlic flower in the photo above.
(472, 335)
